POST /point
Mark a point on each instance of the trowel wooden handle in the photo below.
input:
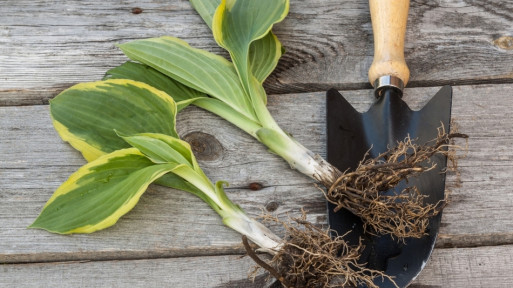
(389, 19)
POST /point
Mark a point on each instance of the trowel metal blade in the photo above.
(351, 135)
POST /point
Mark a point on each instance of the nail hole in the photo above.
(255, 186)
(137, 10)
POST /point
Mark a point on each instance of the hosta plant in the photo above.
(126, 130)
(234, 91)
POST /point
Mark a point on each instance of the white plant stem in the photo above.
(254, 230)
(234, 217)
(299, 157)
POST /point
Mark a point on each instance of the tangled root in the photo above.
(310, 258)
(403, 214)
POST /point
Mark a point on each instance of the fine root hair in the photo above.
(402, 213)
(311, 258)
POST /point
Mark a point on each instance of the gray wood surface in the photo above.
(47, 45)
(169, 223)
(173, 239)
(451, 268)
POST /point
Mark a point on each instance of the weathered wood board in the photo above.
(171, 238)
(448, 268)
(174, 224)
(47, 45)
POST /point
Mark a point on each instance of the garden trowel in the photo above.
(353, 136)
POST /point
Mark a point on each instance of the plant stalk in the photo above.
(253, 230)
(299, 157)
(232, 215)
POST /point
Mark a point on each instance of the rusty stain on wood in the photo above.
(136, 10)
(255, 186)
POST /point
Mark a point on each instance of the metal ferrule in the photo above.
(388, 81)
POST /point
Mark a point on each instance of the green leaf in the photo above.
(206, 9)
(161, 148)
(99, 193)
(229, 114)
(237, 23)
(201, 70)
(157, 151)
(138, 72)
(177, 182)
(264, 53)
(87, 114)
(180, 93)
(219, 188)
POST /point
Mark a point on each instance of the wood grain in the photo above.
(220, 271)
(173, 239)
(169, 222)
(46, 46)
(469, 267)
(448, 268)
(36, 161)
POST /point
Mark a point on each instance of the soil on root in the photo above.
(311, 258)
(405, 213)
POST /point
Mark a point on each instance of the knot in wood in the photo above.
(272, 206)
(204, 146)
(504, 43)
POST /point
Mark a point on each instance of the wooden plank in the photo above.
(221, 271)
(468, 267)
(166, 223)
(34, 162)
(46, 46)
(448, 268)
